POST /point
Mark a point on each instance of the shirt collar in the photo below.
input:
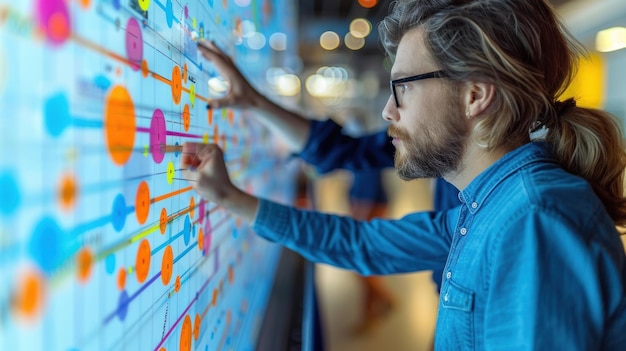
(475, 194)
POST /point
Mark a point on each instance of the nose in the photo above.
(390, 112)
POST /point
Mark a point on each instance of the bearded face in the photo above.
(434, 148)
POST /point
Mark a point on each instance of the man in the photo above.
(532, 256)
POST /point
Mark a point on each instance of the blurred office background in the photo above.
(343, 74)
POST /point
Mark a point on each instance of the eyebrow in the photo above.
(400, 74)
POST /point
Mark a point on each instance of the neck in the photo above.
(475, 160)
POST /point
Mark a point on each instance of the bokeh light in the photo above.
(329, 40)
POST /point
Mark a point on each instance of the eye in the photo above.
(401, 88)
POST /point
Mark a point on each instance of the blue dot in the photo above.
(235, 233)
(109, 263)
(102, 82)
(118, 217)
(57, 114)
(169, 13)
(46, 245)
(122, 305)
(10, 194)
(176, 153)
(211, 3)
(187, 230)
(116, 4)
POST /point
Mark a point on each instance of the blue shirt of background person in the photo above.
(328, 149)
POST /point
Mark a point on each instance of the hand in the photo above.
(203, 166)
(241, 93)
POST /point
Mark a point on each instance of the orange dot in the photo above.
(177, 85)
(144, 68)
(59, 29)
(231, 117)
(119, 124)
(224, 3)
(84, 261)
(216, 136)
(186, 117)
(185, 72)
(210, 116)
(229, 316)
(196, 327)
(30, 295)
(142, 202)
(231, 274)
(162, 349)
(85, 3)
(121, 279)
(163, 221)
(192, 207)
(67, 192)
(177, 283)
(167, 265)
(185, 335)
(142, 262)
(200, 239)
(368, 3)
(118, 71)
(214, 299)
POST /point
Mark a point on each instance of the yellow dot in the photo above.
(194, 23)
(146, 150)
(224, 113)
(205, 138)
(192, 94)
(171, 171)
(144, 4)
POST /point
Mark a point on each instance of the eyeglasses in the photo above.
(395, 82)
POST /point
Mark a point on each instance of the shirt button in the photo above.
(445, 298)
(449, 275)
(463, 231)
(474, 204)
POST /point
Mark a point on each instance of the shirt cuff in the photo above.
(272, 220)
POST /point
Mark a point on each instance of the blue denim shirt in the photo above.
(533, 261)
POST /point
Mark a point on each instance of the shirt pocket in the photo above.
(458, 303)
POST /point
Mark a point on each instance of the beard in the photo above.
(434, 150)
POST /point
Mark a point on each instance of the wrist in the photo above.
(241, 204)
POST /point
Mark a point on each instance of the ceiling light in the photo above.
(611, 39)
(360, 27)
(329, 40)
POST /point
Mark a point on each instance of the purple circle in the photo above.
(157, 136)
(208, 233)
(201, 209)
(186, 12)
(48, 10)
(134, 43)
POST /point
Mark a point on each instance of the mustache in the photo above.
(396, 132)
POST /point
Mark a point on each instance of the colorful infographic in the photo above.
(103, 244)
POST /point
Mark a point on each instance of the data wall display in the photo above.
(103, 244)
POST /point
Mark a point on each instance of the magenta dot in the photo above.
(134, 43)
(186, 12)
(201, 209)
(54, 17)
(157, 136)
(208, 233)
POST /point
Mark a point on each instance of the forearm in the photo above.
(292, 127)
(241, 204)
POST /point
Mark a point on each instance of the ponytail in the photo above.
(588, 142)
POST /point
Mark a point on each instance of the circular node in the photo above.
(142, 262)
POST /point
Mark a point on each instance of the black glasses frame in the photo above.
(429, 75)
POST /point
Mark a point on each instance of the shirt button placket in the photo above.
(463, 231)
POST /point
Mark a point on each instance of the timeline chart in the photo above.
(103, 243)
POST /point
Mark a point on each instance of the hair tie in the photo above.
(562, 107)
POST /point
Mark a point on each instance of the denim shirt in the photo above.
(525, 268)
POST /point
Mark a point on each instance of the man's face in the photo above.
(428, 128)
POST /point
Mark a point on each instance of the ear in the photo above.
(478, 97)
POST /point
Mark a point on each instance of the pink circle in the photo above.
(201, 209)
(134, 43)
(54, 17)
(157, 136)
(208, 233)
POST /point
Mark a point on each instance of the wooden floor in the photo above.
(410, 323)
